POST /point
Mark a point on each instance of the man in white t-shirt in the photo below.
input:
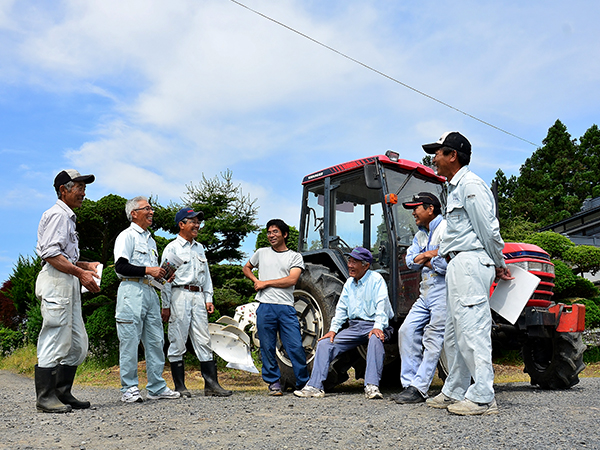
(279, 268)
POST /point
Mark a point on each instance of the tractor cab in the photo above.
(359, 203)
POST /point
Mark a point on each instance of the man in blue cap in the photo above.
(365, 304)
(186, 303)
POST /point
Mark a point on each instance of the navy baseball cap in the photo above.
(450, 139)
(422, 198)
(187, 213)
(68, 175)
(362, 254)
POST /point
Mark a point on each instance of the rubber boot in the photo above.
(64, 383)
(211, 383)
(178, 372)
(45, 389)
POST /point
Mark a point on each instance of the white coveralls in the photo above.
(63, 339)
(421, 335)
(188, 308)
(138, 313)
(472, 239)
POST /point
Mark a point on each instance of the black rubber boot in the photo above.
(64, 382)
(211, 383)
(45, 389)
(178, 372)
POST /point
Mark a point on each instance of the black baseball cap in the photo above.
(422, 198)
(450, 139)
(71, 175)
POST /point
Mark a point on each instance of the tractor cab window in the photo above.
(355, 218)
(405, 185)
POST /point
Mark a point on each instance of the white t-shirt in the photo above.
(273, 265)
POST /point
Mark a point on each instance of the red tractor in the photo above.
(359, 203)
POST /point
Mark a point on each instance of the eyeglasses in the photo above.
(145, 208)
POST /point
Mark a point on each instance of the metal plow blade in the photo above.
(231, 344)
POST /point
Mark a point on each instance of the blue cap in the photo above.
(187, 213)
(362, 254)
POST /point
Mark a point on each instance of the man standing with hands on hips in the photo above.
(186, 303)
(473, 247)
(63, 342)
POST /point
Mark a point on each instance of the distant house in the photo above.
(582, 228)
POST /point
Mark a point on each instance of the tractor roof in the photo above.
(349, 166)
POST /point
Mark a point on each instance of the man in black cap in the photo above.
(63, 341)
(421, 335)
(365, 305)
(186, 303)
(473, 246)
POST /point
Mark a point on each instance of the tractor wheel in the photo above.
(554, 363)
(315, 297)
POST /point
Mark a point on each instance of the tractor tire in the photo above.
(554, 363)
(315, 297)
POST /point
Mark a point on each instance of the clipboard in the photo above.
(510, 296)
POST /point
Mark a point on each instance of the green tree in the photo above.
(587, 180)
(229, 216)
(506, 191)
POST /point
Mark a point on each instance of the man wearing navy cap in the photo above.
(421, 335)
(186, 303)
(472, 245)
(365, 304)
(63, 342)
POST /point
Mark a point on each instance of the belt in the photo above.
(451, 255)
(190, 287)
(138, 280)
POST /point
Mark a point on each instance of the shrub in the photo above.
(101, 328)
(592, 313)
(564, 282)
(10, 340)
(555, 244)
(584, 288)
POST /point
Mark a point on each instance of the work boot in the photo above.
(64, 382)
(211, 383)
(45, 389)
(178, 372)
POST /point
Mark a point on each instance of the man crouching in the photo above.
(365, 304)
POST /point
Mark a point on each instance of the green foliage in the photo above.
(591, 355)
(565, 281)
(23, 279)
(102, 332)
(226, 300)
(584, 288)
(231, 277)
(34, 323)
(517, 229)
(592, 311)
(291, 242)
(10, 340)
(98, 224)
(555, 244)
(506, 191)
(585, 258)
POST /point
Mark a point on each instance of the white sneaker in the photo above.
(372, 392)
(309, 391)
(166, 394)
(132, 395)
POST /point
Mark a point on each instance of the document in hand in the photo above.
(510, 296)
(99, 269)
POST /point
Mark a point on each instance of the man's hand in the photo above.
(87, 280)
(210, 307)
(165, 314)
(259, 285)
(377, 332)
(504, 273)
(330, 335)
(156, 272)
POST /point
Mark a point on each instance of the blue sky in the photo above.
(149, 95)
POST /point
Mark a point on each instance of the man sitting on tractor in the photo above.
(365, 304)
(421, 335)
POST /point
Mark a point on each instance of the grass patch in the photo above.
(21, 361)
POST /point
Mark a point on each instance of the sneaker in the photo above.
(132, 395)
(372, 392)
(409, 395)
(309, 391)
(441, 401)
(469, 408)
(166, 394)
(275, 389)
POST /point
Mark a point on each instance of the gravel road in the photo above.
(529, 419)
